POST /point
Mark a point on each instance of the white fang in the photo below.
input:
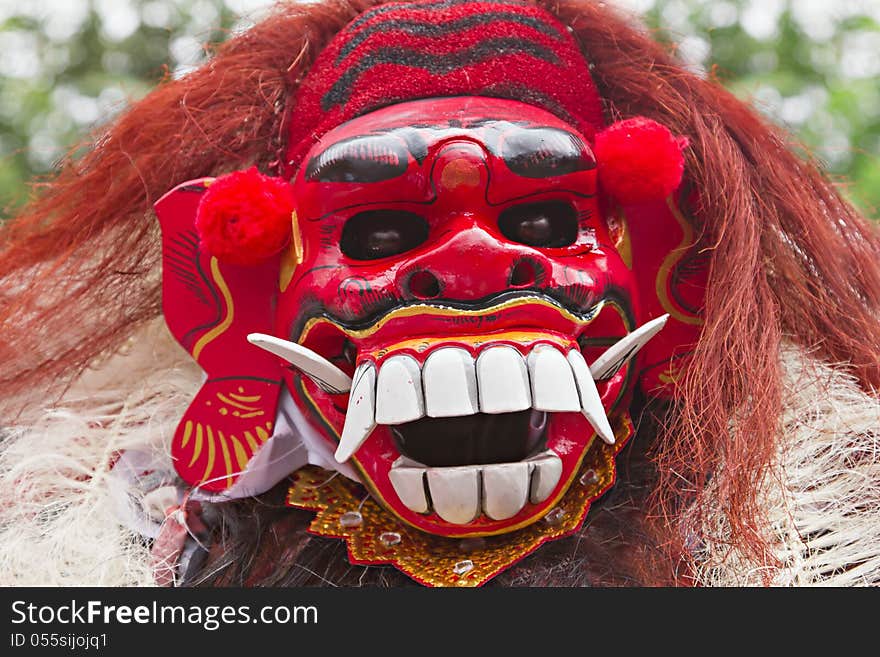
(320, 370)
(617, 355)
(360, 419)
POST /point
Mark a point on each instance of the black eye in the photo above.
(381, 233)
(549, 224)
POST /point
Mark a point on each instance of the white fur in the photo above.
(58, 522)
(59, 525)
(823, 498)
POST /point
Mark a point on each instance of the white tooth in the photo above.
(455, 493)
(409, 484)
(553, 386)
(406, 462)
(450, 383)
(503, 380)
(545, 476)
(360, 419)
(399, 391)
(505, 489)
(316, 367)
(591, 403)
(616, 356)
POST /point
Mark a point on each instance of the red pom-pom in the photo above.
(244, 218)
(639, 160)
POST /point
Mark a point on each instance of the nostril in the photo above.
(424, 285)
(523, 274)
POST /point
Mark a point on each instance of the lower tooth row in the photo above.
(458, 494)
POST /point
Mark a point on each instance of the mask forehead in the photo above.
(454, 111)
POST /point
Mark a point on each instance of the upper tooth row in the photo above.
(452, 383)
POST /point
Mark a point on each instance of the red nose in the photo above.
(470, 259)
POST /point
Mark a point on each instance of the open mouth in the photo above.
(460, 467)
(471, 429)
(472, 440)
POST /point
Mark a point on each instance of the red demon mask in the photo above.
(445, 293)
(457, 267)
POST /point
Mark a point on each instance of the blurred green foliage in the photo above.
(69, 65)
(813, 66)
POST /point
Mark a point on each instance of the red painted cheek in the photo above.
(360, 296)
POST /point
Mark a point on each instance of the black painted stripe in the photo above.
(548, 295)
(426, 29)
(420, 6)
(436, 64)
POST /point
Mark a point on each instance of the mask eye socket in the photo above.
(379, 234)
(550, 224)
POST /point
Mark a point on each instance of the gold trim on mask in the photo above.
(670, 261)
(476, 340)
(618, 227)
(230, 311)
(440, 311)
(293, 255)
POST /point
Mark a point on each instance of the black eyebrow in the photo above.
(364, 159)
(529, 150)
(544, 152)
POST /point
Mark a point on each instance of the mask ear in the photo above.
(641, 167)
(671, 270)
(210, 307)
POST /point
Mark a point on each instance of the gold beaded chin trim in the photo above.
(375, 536)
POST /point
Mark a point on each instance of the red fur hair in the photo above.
(789, 258)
